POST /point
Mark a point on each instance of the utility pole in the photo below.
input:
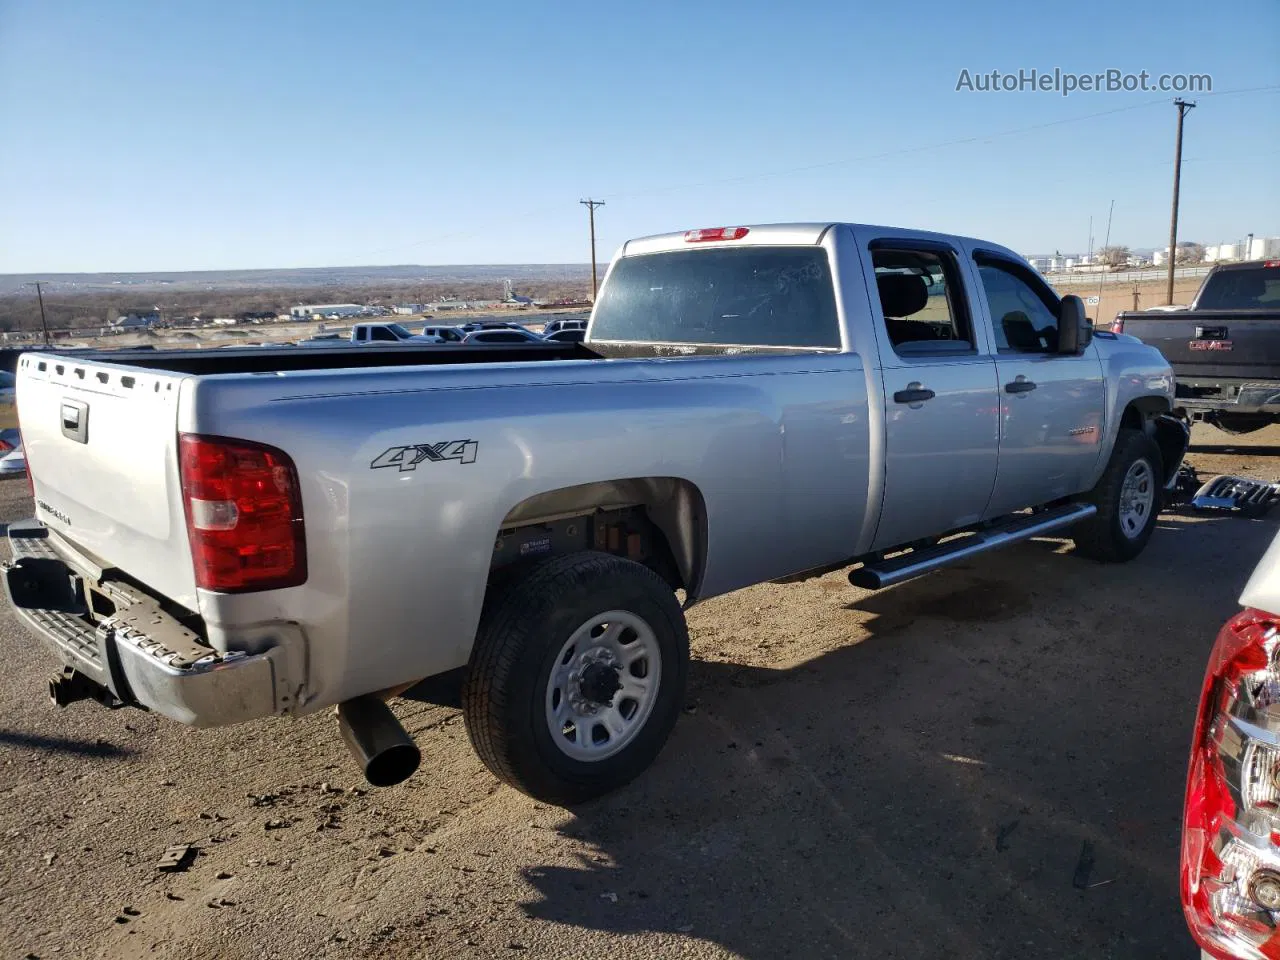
(1183, 106)
(44, 324)
(591, 214)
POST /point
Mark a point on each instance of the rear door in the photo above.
(101, 446)
(1051, 405)
(939, 384)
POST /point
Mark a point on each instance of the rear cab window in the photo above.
(748, 296)
(1243, 288)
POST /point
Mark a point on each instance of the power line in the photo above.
(826, 164)
(921, 148)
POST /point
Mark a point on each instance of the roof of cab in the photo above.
(785, 234)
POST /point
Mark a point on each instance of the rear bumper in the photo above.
(138, 654)
(1245, 396)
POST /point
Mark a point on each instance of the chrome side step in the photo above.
(885, 573)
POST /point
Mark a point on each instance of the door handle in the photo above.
(916, 394)
(1211, 333)
(1020, 385)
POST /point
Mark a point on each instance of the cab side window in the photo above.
(923, 305)
(1022, 321)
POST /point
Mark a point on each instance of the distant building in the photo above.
(408, 309)
(308, 310)
(224, 321)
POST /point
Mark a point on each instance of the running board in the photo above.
(885, 573)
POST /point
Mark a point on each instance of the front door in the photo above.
(940, 392)
(1051, 405)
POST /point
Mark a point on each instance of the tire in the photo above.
(1236, 424)
(1114, 534)
(526, 681)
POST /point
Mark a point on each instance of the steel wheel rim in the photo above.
(583, 723)
(1137, 498)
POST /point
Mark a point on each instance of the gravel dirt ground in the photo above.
(986, 762)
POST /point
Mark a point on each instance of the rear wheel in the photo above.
(1129, 497)
(577, 676)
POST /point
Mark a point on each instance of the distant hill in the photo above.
(294, 279)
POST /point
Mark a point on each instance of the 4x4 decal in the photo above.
(408, 458)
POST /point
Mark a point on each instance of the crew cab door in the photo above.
(1052, 405)
(939, 388)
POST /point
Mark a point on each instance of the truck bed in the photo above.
(271, 359)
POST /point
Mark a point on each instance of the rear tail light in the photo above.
(715, 233)
(244, 514)
(1230, 870)
(1117, 325)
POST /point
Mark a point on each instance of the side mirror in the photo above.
(1074, 329)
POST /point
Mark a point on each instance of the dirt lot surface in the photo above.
(935, 770)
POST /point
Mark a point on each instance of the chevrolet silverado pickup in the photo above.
(295, 530)
(1224, 347)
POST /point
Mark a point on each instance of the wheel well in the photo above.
(1141, 410)
(657, 521)
(1169, 434)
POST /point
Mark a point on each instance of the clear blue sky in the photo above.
(162, 135)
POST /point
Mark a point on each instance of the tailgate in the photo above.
(101, 446)
(1214, 344)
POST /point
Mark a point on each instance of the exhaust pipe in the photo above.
(385, 753)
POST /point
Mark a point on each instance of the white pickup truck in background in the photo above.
(294, 530)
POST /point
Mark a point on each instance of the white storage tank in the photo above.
(1264, 248)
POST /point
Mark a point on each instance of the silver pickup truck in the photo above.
(227, 535)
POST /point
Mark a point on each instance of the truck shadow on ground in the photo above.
(83, 748)
(1244, 449)
(1001, 777)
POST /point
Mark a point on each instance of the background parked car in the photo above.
(445, 334)
(555, 326)
(566, 336)
(504, 335)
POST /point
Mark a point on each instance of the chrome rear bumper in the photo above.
(137, 653)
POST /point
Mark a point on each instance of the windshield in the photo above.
(750, 296)
(398, 330)
(1250, 288)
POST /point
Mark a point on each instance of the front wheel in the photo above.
(1129, 497)
(577, 676)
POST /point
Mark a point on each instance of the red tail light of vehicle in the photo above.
(1230, 869)
(1117, 325)
(715, 233)
(244, 514)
